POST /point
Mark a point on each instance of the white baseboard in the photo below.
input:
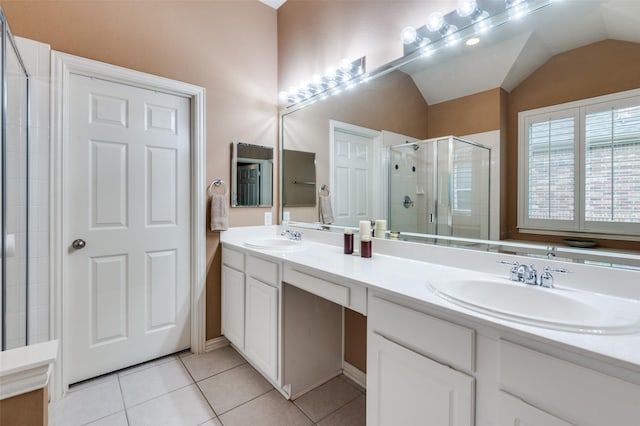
(353, 373)
(217, 343)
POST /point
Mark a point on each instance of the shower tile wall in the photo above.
(36, 57)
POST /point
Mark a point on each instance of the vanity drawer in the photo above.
(233, 259)
(263, 270)
(352, 296)
(568, 390)
(444, 341)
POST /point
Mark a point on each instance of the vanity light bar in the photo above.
(471, 18)
(334, 80)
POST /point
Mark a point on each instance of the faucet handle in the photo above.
(514, 275)
(546, 279)
(561, 270)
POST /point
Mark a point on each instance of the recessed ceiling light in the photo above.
(473, 41)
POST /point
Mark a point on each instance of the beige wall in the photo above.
(228, 47)
(468, 115)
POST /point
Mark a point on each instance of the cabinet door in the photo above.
(233, 306)
(261, 339)
(406, 388)
(515, 412)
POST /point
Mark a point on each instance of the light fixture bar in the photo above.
(334, 80)
(472, 17)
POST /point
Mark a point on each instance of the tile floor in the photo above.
(216, 388)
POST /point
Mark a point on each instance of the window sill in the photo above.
(570, 234)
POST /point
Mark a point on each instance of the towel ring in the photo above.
(324, 190)
(217, 184)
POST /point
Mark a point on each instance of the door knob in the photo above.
(78, 244)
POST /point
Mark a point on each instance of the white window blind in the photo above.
(551, 169)
(579, 166)
(612, 165)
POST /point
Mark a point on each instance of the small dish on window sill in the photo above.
(580, 243)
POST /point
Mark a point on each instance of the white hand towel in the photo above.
(324, 207)
(219, 212)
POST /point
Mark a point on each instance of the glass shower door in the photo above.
(440, 187)
(15, 197)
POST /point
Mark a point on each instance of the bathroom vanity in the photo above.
(431, 358)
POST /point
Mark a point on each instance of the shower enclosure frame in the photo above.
(450, 139)
(8, 36)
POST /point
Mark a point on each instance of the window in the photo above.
(579, 167)
(462, 178)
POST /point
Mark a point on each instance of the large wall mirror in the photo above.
(251, 175)
(564, 52)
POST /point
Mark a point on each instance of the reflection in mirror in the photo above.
(564, 52)
(299, 177)
(440, 187)
(251, 175)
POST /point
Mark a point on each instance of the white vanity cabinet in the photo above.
(261, 314)
(555, 391)
(232, 294)
(250, 308)
(406, 383)
(513, 412)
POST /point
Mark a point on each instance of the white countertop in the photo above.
(410, 278)
(26, 368)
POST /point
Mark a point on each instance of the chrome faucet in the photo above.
(292, 235)
(527, 274)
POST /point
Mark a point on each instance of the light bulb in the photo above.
(435, 21)
(466, 7)
(317, 79)
(481, 17)
(283, 96)
(345, 64)
(330, 73)
(408, 35)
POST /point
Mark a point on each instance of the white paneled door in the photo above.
(356, 174)
(126, 294)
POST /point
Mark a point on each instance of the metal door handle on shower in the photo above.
(408, 202)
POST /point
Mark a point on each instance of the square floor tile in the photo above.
(139, 367)
(154, 381)
(93, 382)
(352, 414)
(270, 409)
(86, 405)
(324, 400)
(206, 365)
(118, 419)
(185, 407)
(233, 387)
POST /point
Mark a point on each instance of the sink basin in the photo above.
(559, 309)
(274, 243)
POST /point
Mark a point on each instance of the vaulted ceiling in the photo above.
(510, 53)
